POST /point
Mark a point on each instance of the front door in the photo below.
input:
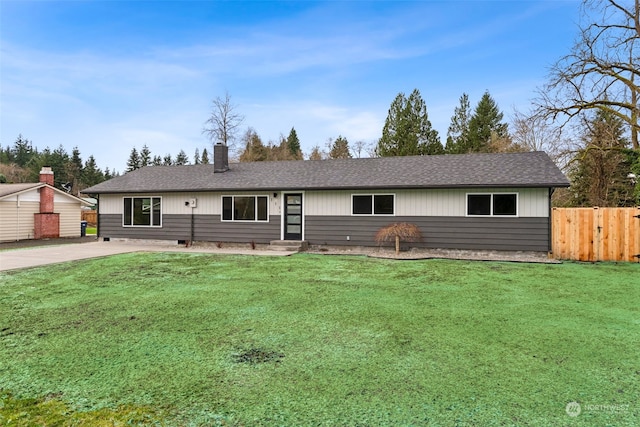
(293, 216)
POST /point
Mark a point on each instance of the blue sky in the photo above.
(107, 76)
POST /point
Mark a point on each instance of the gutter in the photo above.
(334, 188)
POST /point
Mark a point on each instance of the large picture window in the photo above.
(142, 212)
(495, 204)
(245, 208)
(373, 204)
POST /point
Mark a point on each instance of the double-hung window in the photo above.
(142, 212)
(373, 204)
(245, 208)
(493, 204)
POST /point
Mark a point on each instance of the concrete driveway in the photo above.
(13, 259)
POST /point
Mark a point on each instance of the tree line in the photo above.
(139, 159)
(22, 162)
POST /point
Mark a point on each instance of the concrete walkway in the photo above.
(13, 259)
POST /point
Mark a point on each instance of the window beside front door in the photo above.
(142, 212)
(245, 208)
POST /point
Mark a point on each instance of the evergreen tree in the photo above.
(157, 160)
(205, 157)
(58, 162)
(599, 174)
(196, 157)
(5, 155)
(282, 151)
(340, 149)
(167, 160)
(485, 122)
(74, 170)
(407, 130)
(458, 132)
(91, 174)
(76, 160)
(22, 151)
(254, 149)
(145, 156)
(107, 174)
(293, 144)
(182, 159)
(134, 160)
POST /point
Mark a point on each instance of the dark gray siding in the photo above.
(510, 234)
(207, 228)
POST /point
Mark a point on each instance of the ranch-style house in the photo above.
(468, 201)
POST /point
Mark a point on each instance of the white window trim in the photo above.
(373, 205)
(466, 204)
(141, 197)
(233, 197)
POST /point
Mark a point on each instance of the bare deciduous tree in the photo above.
(361, 148)
(534, 132)
(602, 72)
(224, 122)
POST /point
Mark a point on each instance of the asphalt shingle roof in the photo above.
(10, 189)
(532, 169)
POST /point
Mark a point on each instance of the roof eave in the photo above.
(336, 187)
(24, 190)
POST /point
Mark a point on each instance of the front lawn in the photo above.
(198, 339)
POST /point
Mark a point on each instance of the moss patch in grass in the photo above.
(325, 340)
(52, 411)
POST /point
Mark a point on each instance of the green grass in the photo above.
(92, 230)
(195, 339)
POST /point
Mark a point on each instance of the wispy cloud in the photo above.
(329, 69)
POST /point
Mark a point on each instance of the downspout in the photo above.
(17, 217)
(192, 231)
(98, 216)
(549, 226)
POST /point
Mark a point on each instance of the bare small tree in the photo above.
(535, 132)
(362, 149)
(398, 232)
(602, 72)
(223, 123)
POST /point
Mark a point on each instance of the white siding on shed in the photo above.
(16, 223)
(17, 220)
(70, 217)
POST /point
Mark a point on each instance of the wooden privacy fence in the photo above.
(596, 234)
(90, 216)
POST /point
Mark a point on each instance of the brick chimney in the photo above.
(46, 223)
(220, 158)
(46, 193)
